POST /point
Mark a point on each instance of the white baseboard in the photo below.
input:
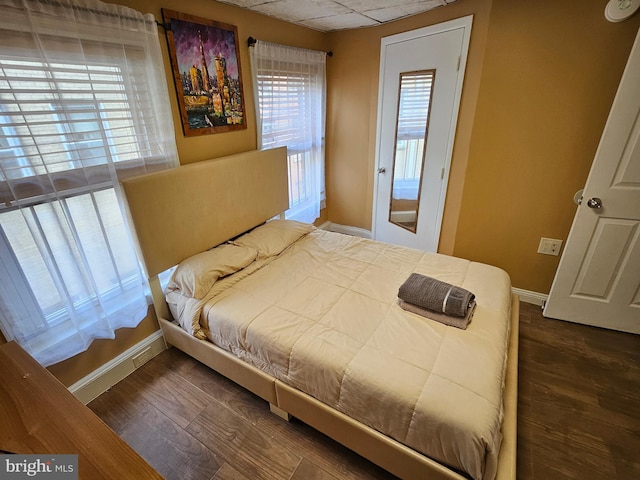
(355, 231)
(103, 378)
(527, 296)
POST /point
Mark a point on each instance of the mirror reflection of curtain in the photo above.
(83, 105)
(414, 101)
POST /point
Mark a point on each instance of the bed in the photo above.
(309, 321)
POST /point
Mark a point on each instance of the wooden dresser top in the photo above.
(39, 415)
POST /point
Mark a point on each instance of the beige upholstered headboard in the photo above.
(180, 212)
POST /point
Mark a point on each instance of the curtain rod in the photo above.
(252, 41)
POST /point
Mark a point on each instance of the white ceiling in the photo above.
(329, 15)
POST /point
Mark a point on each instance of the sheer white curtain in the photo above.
(290, 91)
(83, 104)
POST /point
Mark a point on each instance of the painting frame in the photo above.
(205, 53)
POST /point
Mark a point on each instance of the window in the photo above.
(50, 129)
(83, 104)
(291, 93)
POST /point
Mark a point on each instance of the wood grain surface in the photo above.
(38, 415)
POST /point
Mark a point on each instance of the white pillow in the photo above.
(273, 237)
(195, 276)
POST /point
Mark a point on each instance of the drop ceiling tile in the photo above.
(328, 15)
(389, 14)
(339, 22)
(361, 5)
(244, 3)
(296, 10)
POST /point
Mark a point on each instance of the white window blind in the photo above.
(291, 98)
(66, 126)
(83, 104)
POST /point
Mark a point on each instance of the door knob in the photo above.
(594, 202)
(382, 170)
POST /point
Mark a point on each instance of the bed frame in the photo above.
(178, 213)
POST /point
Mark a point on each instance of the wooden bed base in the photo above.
(178, 213)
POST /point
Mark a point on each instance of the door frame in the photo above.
(464, 23)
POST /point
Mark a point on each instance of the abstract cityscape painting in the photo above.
(206, 68)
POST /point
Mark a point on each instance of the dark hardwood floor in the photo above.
(578, 417)
(578, 401)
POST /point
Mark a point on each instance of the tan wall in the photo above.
(551, 71)
(540, 80)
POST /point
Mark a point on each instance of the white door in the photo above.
(598, 279)
(421, 74)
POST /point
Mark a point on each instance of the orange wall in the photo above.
(352, 115)
(550, 73)
(540, 80)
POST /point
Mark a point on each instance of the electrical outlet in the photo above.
(549, 246)
(143, 357)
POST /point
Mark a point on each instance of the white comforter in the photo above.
(323, 317)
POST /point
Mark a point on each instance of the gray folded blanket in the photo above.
(435, 295)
